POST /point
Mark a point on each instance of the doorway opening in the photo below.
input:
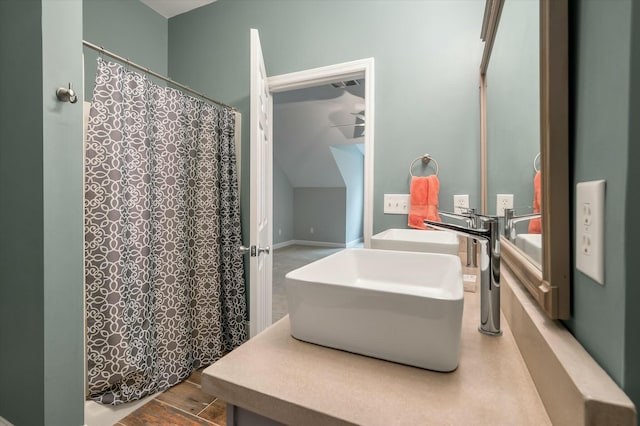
(318, 176)
(322, 185)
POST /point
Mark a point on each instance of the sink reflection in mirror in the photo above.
(524, 231)
(404, 307)
(531, 245)
(513, 113)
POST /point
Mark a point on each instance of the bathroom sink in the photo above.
(416, 240)
(404, 307)
(531, 245)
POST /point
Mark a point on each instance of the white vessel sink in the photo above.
(404, 307)
(416, 240)
(531, 245)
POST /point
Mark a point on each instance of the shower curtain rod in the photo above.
(155, 74)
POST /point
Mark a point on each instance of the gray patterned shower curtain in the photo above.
(164, 279)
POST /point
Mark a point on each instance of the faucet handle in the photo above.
(487, 217)
(446, 213)
(465, 212)
(462, 217)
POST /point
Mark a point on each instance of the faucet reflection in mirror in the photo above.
(487, 233)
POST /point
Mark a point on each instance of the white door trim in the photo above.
(363, 68)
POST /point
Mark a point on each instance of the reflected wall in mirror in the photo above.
(513, 122)
(523, 112)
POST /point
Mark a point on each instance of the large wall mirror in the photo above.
(524, 113)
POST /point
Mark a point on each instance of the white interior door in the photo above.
(261, 211)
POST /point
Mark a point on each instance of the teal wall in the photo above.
(128, 28)
(604, 146)
(63, 227)
(282, 206)
(21, 245)
(426, 75)
(513, 105)
(309, 211)
(41, 319)
(632, 249)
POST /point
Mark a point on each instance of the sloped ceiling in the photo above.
(304, 131)
(171, 8)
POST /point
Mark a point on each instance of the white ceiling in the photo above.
(170, 8)
(303, 132)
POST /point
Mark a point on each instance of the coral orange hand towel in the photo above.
(535, 226)
(424, 201)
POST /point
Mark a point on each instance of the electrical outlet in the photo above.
(587, 214)
(590, 229)
(460, 202)
(503, 201)
(586, 245)
(311, 230)
(396, 203)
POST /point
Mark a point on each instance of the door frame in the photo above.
(362, 68)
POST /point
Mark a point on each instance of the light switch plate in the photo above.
(590, 229)
(396, 203)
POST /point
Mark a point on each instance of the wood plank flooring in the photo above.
(182, 405)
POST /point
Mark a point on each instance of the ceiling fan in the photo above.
(358, 125)
(359, 116)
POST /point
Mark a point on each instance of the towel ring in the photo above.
(426, 159)
(535, 160)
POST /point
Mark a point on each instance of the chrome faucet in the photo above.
(468, 216)
(510, 220)
(488, 235)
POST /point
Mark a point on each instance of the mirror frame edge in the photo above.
(554, 132)
(551, 287)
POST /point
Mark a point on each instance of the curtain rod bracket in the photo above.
(67, 95)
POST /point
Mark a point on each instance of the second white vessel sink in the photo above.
(427, 241)
(404, 307)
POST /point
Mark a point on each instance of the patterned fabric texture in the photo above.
(164, 279)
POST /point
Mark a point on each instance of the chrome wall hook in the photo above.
(66, 95)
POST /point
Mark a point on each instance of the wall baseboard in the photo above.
(309, 243)
(284, 244)
(319, 243)
(355, 242)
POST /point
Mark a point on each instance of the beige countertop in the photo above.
(294, 382)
